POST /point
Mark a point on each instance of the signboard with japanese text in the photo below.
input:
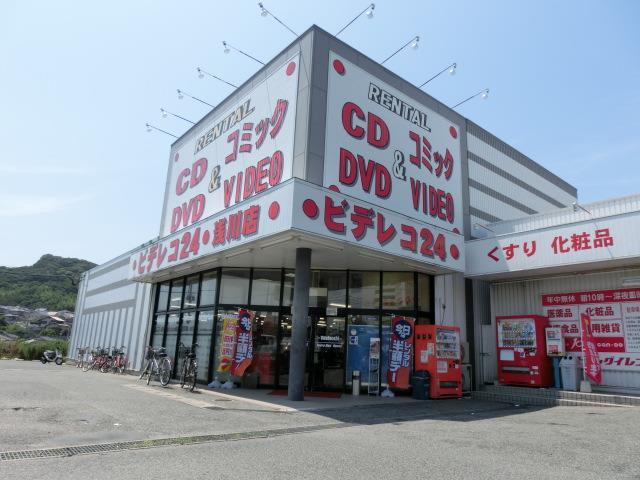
(614, 323)
(555, 342)
(266, 214)
(400, 352)
(332, 214)
(613, 238)
(238, 154)
(243, 355)
(592, 368)
(228, 342)
(390, 151)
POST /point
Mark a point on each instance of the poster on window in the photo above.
(400, 352)
(244, 343)
(614, 323)
(228, 344)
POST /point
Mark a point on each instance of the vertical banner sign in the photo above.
(244, 345)
(592, 367)
(400, 352)
(229, 327)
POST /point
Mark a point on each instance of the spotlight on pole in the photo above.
(451, 68)
(151, 128)
(484, 94)
(182, 94)
(413, 43)
(368, 12)
(228, 47)
(265, 13)
(202, 73)
(167, 112)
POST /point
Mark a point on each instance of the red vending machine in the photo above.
(522, 356)
(437, 350)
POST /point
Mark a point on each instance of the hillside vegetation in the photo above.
(50, 283)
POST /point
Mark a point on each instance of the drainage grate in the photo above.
(218, 437)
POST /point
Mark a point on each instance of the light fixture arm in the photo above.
(481, 92)
(414, 39)
(370, 7)
(182, 92)
(200, 70)
(227, 45)
(177, 116)
(453, 65)
(149, 126)
(276, 18)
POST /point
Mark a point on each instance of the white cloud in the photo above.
(12, 205)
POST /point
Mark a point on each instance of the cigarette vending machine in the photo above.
(522, 356)
(437, 350)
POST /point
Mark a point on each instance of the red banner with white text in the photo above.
(244, 343)
(592, 368)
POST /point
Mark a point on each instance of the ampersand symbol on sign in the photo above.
(399, 170)
(214, 184)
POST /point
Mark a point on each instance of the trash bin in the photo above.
(420, 382)
(571, 369)
(355, 382)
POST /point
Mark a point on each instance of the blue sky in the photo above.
(81, 177)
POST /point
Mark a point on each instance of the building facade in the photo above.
(326, 194)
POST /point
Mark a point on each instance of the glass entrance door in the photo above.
(326, 352)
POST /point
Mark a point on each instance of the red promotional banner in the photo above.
(592, 368)
(244, 344)
(400, 352)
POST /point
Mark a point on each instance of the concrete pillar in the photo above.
(300, 312)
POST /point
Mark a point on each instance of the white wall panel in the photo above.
(494, 156)
(121, 294)
(502, 185)
(493, 206)
(100, 279)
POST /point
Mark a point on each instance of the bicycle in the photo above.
(158, 363)
(119, 360)
(80, 358)
(189, 372)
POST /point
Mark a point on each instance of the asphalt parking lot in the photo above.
(168, 433)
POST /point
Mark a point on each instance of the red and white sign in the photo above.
(586, 242)
(614, 319)
(244, 151)
(387, 149)
(332, 214)
(592, 368)
(253, 219)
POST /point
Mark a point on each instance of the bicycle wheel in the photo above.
(151, 371)
(144, 371)
(194, 375)
(164, 371)
(183, 373)
(88, 365)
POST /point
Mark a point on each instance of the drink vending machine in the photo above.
(522, 356)
(437, 350)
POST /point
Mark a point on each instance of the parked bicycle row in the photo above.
(109, 359)
(156, 363)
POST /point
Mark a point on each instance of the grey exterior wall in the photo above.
(112, 311)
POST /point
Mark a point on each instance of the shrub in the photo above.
(9, 349)
(34, 350)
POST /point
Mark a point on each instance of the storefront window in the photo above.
(287, 294)
(172, 335)
(361, 329)
(208, 293)
(175, 298)
(191, 292)
(187, 329)
(424, 292)
(163, 296)
(265, 334)
(203, 339)
(223, 356)
(158, 331)
(364, 289)
(285, 349)
(235, 286)
(265, 289)
(384, 351)
(328, 289)
(397, 290)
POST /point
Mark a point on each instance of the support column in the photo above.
(299, 328)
